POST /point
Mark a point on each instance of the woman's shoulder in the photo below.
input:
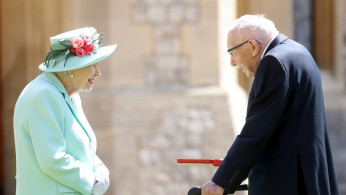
(39, 93)
(40, 88)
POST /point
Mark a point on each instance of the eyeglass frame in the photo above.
(239, 45)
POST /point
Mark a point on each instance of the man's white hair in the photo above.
(257, 26)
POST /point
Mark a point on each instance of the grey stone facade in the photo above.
(166, 65)
(152, 130)
(159, 97)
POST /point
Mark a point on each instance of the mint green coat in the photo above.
(55, 145)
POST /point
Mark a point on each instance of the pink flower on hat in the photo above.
(82, 45)
(87, 43)
(77, 42)
(80, 52)
(73, 50)
(89, 48)
(86, 39)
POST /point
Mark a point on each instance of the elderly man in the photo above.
(283, 147)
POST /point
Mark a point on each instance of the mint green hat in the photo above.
(75, 49)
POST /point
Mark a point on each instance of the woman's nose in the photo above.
(97, 70)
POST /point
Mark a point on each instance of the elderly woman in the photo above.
(55, 145)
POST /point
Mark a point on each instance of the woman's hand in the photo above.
(101, 181)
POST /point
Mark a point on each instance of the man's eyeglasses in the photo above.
(237, 46)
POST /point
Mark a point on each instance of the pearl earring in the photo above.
(71, 75)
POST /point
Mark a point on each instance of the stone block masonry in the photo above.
(166, 66)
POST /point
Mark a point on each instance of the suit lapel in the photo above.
(279, 39)
(80, 118)
(79, 115)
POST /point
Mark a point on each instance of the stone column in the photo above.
(162, 97)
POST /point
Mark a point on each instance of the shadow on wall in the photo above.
(13, 83)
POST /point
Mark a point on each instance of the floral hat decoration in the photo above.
(75, 49)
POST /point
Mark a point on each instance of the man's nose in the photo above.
(233, 62)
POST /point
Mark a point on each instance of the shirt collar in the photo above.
(265, 49)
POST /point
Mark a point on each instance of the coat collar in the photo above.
(279, 39)
(52, 78)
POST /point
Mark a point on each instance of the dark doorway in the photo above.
(1, 125)
(303, 23)
(323, 30)
(314, 26)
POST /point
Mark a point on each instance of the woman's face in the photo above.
(83, 78)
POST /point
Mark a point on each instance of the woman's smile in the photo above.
(91, 81)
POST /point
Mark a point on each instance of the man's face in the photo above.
(242, 56)
(244, 67)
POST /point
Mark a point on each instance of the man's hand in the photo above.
(212, 189)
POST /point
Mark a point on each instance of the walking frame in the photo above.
(206, 162)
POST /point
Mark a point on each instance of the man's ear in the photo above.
(254, 47)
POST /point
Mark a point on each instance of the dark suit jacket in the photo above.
(283, 147)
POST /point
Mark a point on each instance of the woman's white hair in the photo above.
(62, 74)
(257, 26)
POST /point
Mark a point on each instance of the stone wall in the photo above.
(335, 100)
(167, 92)
(166, 64)
(149, 131)
(344, 37)
(159, 98)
